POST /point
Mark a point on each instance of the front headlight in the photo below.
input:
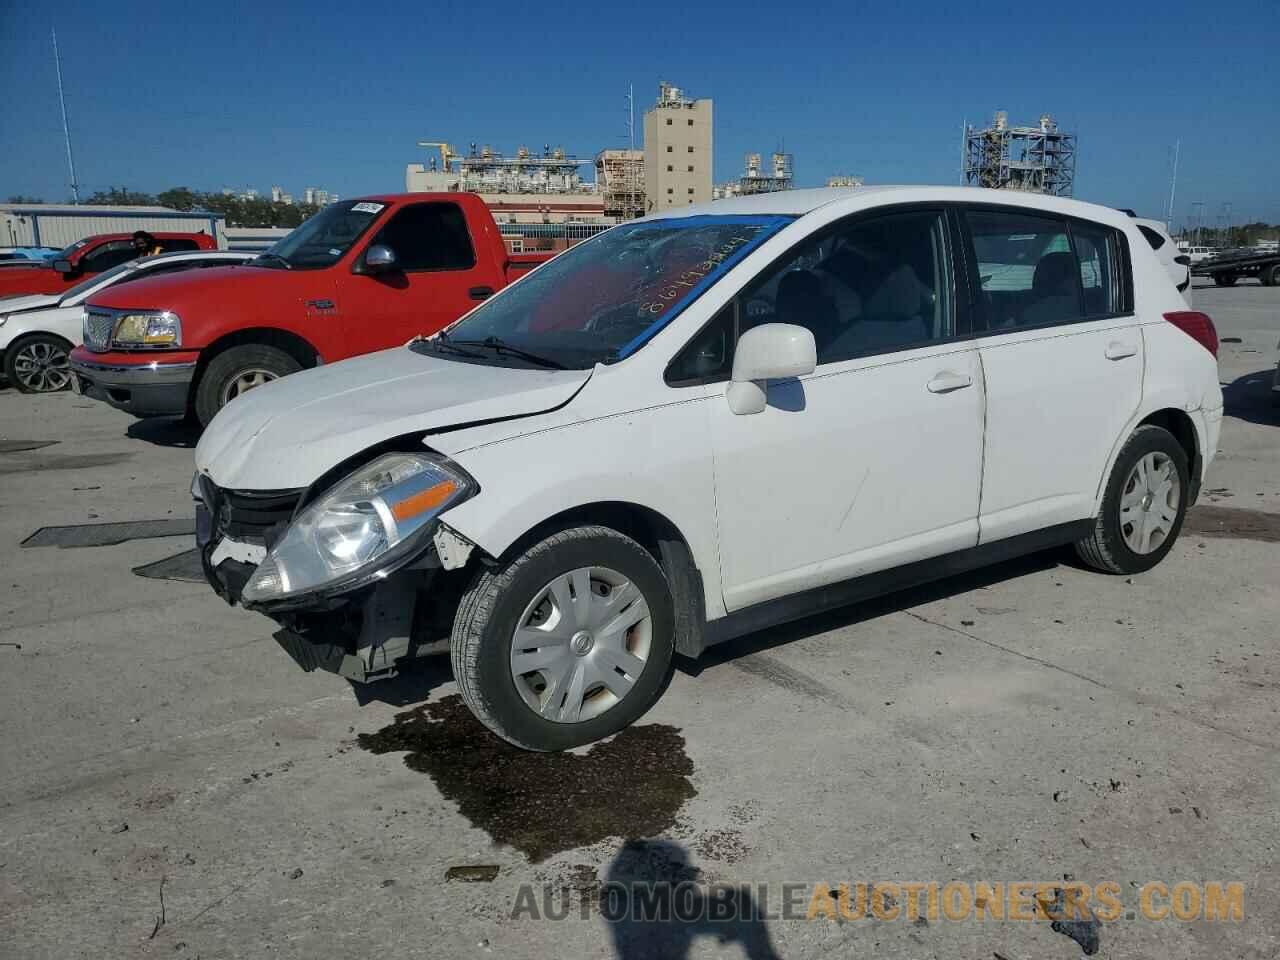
(148, 330)
(362, 528)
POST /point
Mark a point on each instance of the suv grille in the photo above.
(98, 327)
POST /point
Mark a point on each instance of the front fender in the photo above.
(658, 458)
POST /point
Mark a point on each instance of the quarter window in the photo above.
(429, 236)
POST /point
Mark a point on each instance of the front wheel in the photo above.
(566, 643)
(1143, 507)
(1225, 279)
(38, 364)
(237, 371)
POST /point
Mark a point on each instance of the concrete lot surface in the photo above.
(173, 786)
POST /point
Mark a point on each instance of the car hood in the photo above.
(28, 301)
(188, 288)
(285, 434)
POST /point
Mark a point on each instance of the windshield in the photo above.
(322, 240)
(97, 280)
(66, 252)
(603, 299)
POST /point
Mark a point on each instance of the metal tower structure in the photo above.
(1039, 159)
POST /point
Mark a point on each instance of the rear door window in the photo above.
(1097, 251)
(174, 245)
(429, 236)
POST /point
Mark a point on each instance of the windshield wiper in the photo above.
(498, 345)
(445, 345)
(273, 256)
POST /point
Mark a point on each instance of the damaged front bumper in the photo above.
(366, 634)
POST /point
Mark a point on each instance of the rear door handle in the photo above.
(947, 381)
(1118, 351)
(480, 293)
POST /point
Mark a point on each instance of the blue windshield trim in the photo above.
(772, 225)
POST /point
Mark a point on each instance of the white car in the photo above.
(1198, 254)
(1176, 263)
(703, 423)
(37, 331)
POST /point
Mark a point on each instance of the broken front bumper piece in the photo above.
(368, 634)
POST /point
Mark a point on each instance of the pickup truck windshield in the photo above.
(603, 299)
(322, 240)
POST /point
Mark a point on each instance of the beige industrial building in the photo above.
(677, 150)
(620, 180)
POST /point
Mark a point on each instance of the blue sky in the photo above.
(336, 95)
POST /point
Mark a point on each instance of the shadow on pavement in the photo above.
(1248, 398)
(655, 906)
(410, 686)
(870, 609)
(165, 432)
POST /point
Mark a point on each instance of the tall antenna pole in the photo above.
(1173, 185)
(66, 130)
(631, 114)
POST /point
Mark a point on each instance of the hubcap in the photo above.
(581, 644)
(1149, 503)
(42, 367)
(245, 381)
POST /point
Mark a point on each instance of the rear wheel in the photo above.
(1271, 276)
(38, 364)
(1143, 507)
(1225, 279)
(237, 371)
(569, 642)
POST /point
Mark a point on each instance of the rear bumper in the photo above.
(142, 385)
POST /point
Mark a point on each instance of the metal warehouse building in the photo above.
(57, 225)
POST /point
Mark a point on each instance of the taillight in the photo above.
(1197, 326)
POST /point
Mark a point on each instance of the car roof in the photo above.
(801, 202)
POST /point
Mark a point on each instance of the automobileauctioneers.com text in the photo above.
(955, 901)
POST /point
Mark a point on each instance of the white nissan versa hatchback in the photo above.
(709, 421)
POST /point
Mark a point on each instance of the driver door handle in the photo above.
(480, 293)
(947, 381)
(1118, 351)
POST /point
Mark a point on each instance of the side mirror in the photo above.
(63, 266)
(378, 259)
(771, 351)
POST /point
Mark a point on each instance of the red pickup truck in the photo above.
(86, 257)
(361, 275)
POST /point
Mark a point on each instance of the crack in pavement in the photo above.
(1133, 695)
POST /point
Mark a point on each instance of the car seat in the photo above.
(1054, 291)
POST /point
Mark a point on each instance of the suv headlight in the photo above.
(364, 527)
(148, 330)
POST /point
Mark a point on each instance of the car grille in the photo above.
(258, 516)
(98, 327)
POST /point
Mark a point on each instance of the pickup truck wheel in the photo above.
(1224, 279)
(238, 371)
(1143, 507)
(38, 364)
(569, 642)
(1271, 276)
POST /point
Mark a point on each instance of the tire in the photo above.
(1271, 276)
(218, 383)
(518, 594)
(1225, 279)
(38, 364)
(1111, 546)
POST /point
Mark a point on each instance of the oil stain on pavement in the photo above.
(1233, 523)
(544, 803)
